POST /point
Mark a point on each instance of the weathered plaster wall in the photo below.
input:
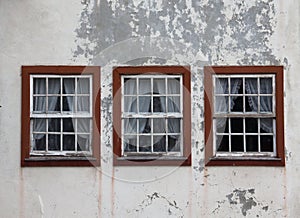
(143, 32)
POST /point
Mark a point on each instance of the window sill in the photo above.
(245, 161)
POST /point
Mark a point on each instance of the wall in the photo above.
(139, 32)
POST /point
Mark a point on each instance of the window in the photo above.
(152, 115)
(60, 116)
(244, 115)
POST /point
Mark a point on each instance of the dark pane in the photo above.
(266, 143)
(237, 143)
(83, 103)
(53, 86)
(174, 104)
(266, 104)
(251, 125)
(68, 85)
(222, 125)
(39, 104)
(159, 143)
(144, 125)
(159, 104)
(174, 125)
(129, 86)
(266, 125)
(54, 142)
(130, 125)
(68, 103)
(145, 144)
(39, 125)
(221, 86)
(68, 142)
(130, 144)
(145, 104)
(251, 85)
(39, 85)
(173, 86)
(159, 125)
(266, 86)
(68, 125)
(83, 142)
(54, 104)
(144, 86)
(222, 143)
(251, 103)
(159, 86)
(54, 124)
(39, 142)
(174, 143)
(221, 104)
(237, 125)
(252, 143)
(236, 86)
(236, 103)
(83, 86)
(130, 104)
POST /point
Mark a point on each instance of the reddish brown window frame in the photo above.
(210, 159)
(118, 160)
(30, 161)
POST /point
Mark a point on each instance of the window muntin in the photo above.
(244, 120)
(152, 115)
(61, 114)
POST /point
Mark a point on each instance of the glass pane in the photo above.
(159, 104)
(54, 104)
(174, 125)
(159, 143)
(236, 86)
(174, 143)
(54, 86)
(83, 125)
(266, 104)
(266, 86)
(159, 125)
(68, 85)
(83, 86)
(130, 86)
(144, 104)
(144, 125)
(174, 104)
(237, 125)
(130, 144)
(39, 85)
(266, 143)
(68, 103)
(39, 142)
(130, 104)
(221, 86)
(266, 125)
(130, 125)
(159, 86)
(251, 85)
(144, 86)
(68, 142)
(236, 103)
(222, 125)
(252, 143)
(251, 103)
(145, 144)
(83, 142)
(221, 104)
(173, 86)
(251, 125)
(54, 142)
(237, 143)
(222, 143)
(68, 125)
(39, 125)
(54, 124)
(83, 103)
(39, 104)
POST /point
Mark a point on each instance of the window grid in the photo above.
(152, 115)
(257, 115)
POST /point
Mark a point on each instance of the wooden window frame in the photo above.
(28, 160)
(140, 160)
(210, 158)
